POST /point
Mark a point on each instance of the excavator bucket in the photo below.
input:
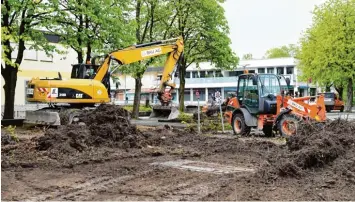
(42, 117)
(165, 112)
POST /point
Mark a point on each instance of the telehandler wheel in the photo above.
(287, 126)
(267, 129)
(239, 126)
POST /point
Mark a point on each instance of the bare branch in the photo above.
(170, 25)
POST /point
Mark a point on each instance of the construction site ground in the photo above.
(170, 163)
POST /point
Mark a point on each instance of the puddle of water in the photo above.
(201, 166)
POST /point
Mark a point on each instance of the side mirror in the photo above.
(288, 82)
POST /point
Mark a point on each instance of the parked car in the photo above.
(332, 101)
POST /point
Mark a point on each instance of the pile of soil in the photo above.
(7, 139)
(107, 125)
(315, 148)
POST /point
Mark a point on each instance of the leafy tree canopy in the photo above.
(283, 51)
(328, 48)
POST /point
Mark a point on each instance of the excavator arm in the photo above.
(144, 51)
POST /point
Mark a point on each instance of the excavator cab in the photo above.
(84, 71)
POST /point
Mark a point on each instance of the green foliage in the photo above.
(248, 56)
(21, 21)
(185, 117)
(327, 47)
(12, 131)
(214, 125)
(142, 108)
(98, 26)
(283, 51)
(205, 30)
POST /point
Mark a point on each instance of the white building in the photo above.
(207, 79)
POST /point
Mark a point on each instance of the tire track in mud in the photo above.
(86, 189)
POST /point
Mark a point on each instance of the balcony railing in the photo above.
(232, 79)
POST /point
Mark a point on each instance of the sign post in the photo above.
(219, 101)
(198, 111)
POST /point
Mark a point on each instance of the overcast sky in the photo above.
(258, 25)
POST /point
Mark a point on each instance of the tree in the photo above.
(327, 48)
(98, 26)
(204, 29)
(149, 28)
(19, 20)
(283, 51)
(248, 56)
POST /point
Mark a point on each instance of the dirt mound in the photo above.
(107, 125)
(314, 148)
(7, 139)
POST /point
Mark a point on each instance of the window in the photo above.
(235, 73)
(289, 70)
(188, 75)
(219, 73)
(228, 90)
(251, 71)
(195, 74)
(144, 96)
(211, 93)
(280, 70)
(187, 94)
(174, 95)
(269, 84)
(261, 70)
(202, 92)
(270, 70)
(210, 74)
(130, 96)
(202, 74)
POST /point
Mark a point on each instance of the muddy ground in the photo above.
(107, 158)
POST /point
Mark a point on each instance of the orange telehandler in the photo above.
(260, 103)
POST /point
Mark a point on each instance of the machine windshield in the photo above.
(269, 84)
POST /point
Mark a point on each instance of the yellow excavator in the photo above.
(89, 84)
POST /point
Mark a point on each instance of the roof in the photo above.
(251, 64)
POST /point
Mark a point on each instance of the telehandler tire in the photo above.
(239, 126)
(287, 126)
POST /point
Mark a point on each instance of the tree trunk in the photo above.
(80, 57)
(137, 97)
(340, 90)
(327, 88)
(349, 101)
(10, 76)
(182, 72)
(88, 53)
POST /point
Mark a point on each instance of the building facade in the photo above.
(207, 79)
